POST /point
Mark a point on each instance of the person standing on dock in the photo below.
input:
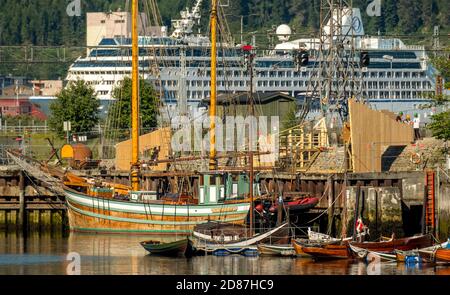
(399, 117)
(416, 125)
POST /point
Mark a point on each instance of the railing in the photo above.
(42, 129)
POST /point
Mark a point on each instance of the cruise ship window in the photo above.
(288, 74)
(405, 74)
(398, 75)
(304, 74)
(272, 74)
(280, 74)
(295, 83)
(277, 83)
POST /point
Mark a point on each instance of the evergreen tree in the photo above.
(119, 115)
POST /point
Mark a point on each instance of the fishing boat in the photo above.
(276, 250)
(114, 208)
(176, 248)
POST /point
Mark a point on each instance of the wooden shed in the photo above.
(266, 104)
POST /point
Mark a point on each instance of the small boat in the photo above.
(328, 251)
(250, 251)
(203, 243)
(177, 248)
(276, 250)
(296, 206)
(442, 255)
(404, 244)
(298, 248)
(370, 255)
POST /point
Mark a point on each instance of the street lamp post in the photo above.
(390, 58)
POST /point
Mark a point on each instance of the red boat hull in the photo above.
(404, 244)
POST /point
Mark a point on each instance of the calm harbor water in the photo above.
(47, 253)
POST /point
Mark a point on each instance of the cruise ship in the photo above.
(398, 78)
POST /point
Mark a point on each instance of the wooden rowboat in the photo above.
(298, 249)
(276, 250)
(328, 251)
(177, 248)
(442, 255)
(404, 244)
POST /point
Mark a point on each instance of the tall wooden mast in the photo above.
(135, 165)
(212, 109)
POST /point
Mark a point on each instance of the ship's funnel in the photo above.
(350, 19)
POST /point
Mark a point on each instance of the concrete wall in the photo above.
(443, 214)
(413, 190)
(380, 209)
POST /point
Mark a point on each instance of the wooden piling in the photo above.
(330, 187)
(45, 220)
(2, 219)
(22, 205)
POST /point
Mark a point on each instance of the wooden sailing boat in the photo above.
(94, 208)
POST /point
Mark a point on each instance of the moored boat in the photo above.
(404, 244)
(298, 249)
(328, 251)
(442, 255)
(202, 243)
(176, 248)
(276, 250)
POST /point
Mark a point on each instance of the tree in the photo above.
(119, 115)
(291, 119)
(440, 125)
(76, 103)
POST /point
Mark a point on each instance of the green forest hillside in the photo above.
(45, 22)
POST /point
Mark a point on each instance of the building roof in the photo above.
(259, 98)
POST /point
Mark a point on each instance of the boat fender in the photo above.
(416, 158)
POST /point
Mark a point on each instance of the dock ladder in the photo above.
(430, 211)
